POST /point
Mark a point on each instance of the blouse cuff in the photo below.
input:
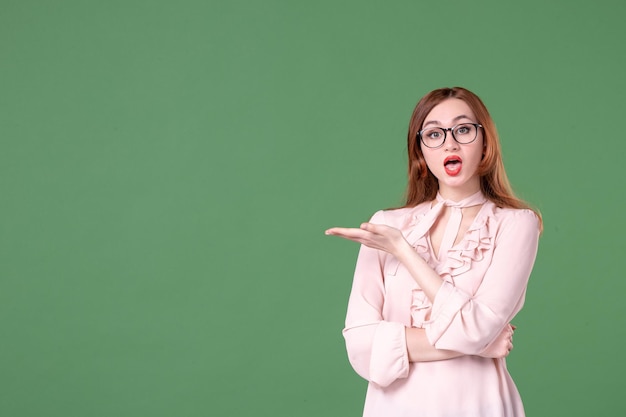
(389, 360)
(447, 304)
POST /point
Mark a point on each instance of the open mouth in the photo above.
(452, 165)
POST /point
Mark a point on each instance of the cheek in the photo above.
(424, 153)
(478, 152)
(430, 159)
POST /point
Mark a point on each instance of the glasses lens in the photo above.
(433, 137)
(465, 133)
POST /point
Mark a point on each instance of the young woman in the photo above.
(438, 281)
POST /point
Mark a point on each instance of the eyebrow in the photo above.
(436, 122)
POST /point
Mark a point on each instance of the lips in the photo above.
(452, 165)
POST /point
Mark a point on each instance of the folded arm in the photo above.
(381, 351)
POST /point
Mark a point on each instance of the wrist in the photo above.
(405, 252)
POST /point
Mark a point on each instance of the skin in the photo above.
(447, 114)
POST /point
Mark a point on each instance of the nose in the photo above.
(449, 143)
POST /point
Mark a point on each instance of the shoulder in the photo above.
(518, 222)
(399, 217)
(511, 215)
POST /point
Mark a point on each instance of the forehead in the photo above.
(449, 111)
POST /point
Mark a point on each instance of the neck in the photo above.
(455, 194)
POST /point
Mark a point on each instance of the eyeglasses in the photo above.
(435, 137)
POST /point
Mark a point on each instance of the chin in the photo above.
(458, 182)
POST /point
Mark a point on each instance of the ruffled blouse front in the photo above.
(458, 260)
(485, 277)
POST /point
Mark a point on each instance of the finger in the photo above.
(356, 235)
(378, 229)
(370, 227)
(343, 231)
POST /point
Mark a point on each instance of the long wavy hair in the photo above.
(423, 185)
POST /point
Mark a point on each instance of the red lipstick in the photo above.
(452, 164)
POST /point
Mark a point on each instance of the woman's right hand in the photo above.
(502, 345)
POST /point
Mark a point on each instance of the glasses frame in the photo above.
(445, 134)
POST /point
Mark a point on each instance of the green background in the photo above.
(167, 170)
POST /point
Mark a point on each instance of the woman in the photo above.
(438, 281)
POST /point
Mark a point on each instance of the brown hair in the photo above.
(423, 185)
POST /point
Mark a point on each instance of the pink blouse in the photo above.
(485, 277)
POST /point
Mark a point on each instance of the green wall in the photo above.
(167, 170)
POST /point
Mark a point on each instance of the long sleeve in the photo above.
(376, 348)
(467, 323)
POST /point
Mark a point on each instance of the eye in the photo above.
(433, 134)
(463, 129)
